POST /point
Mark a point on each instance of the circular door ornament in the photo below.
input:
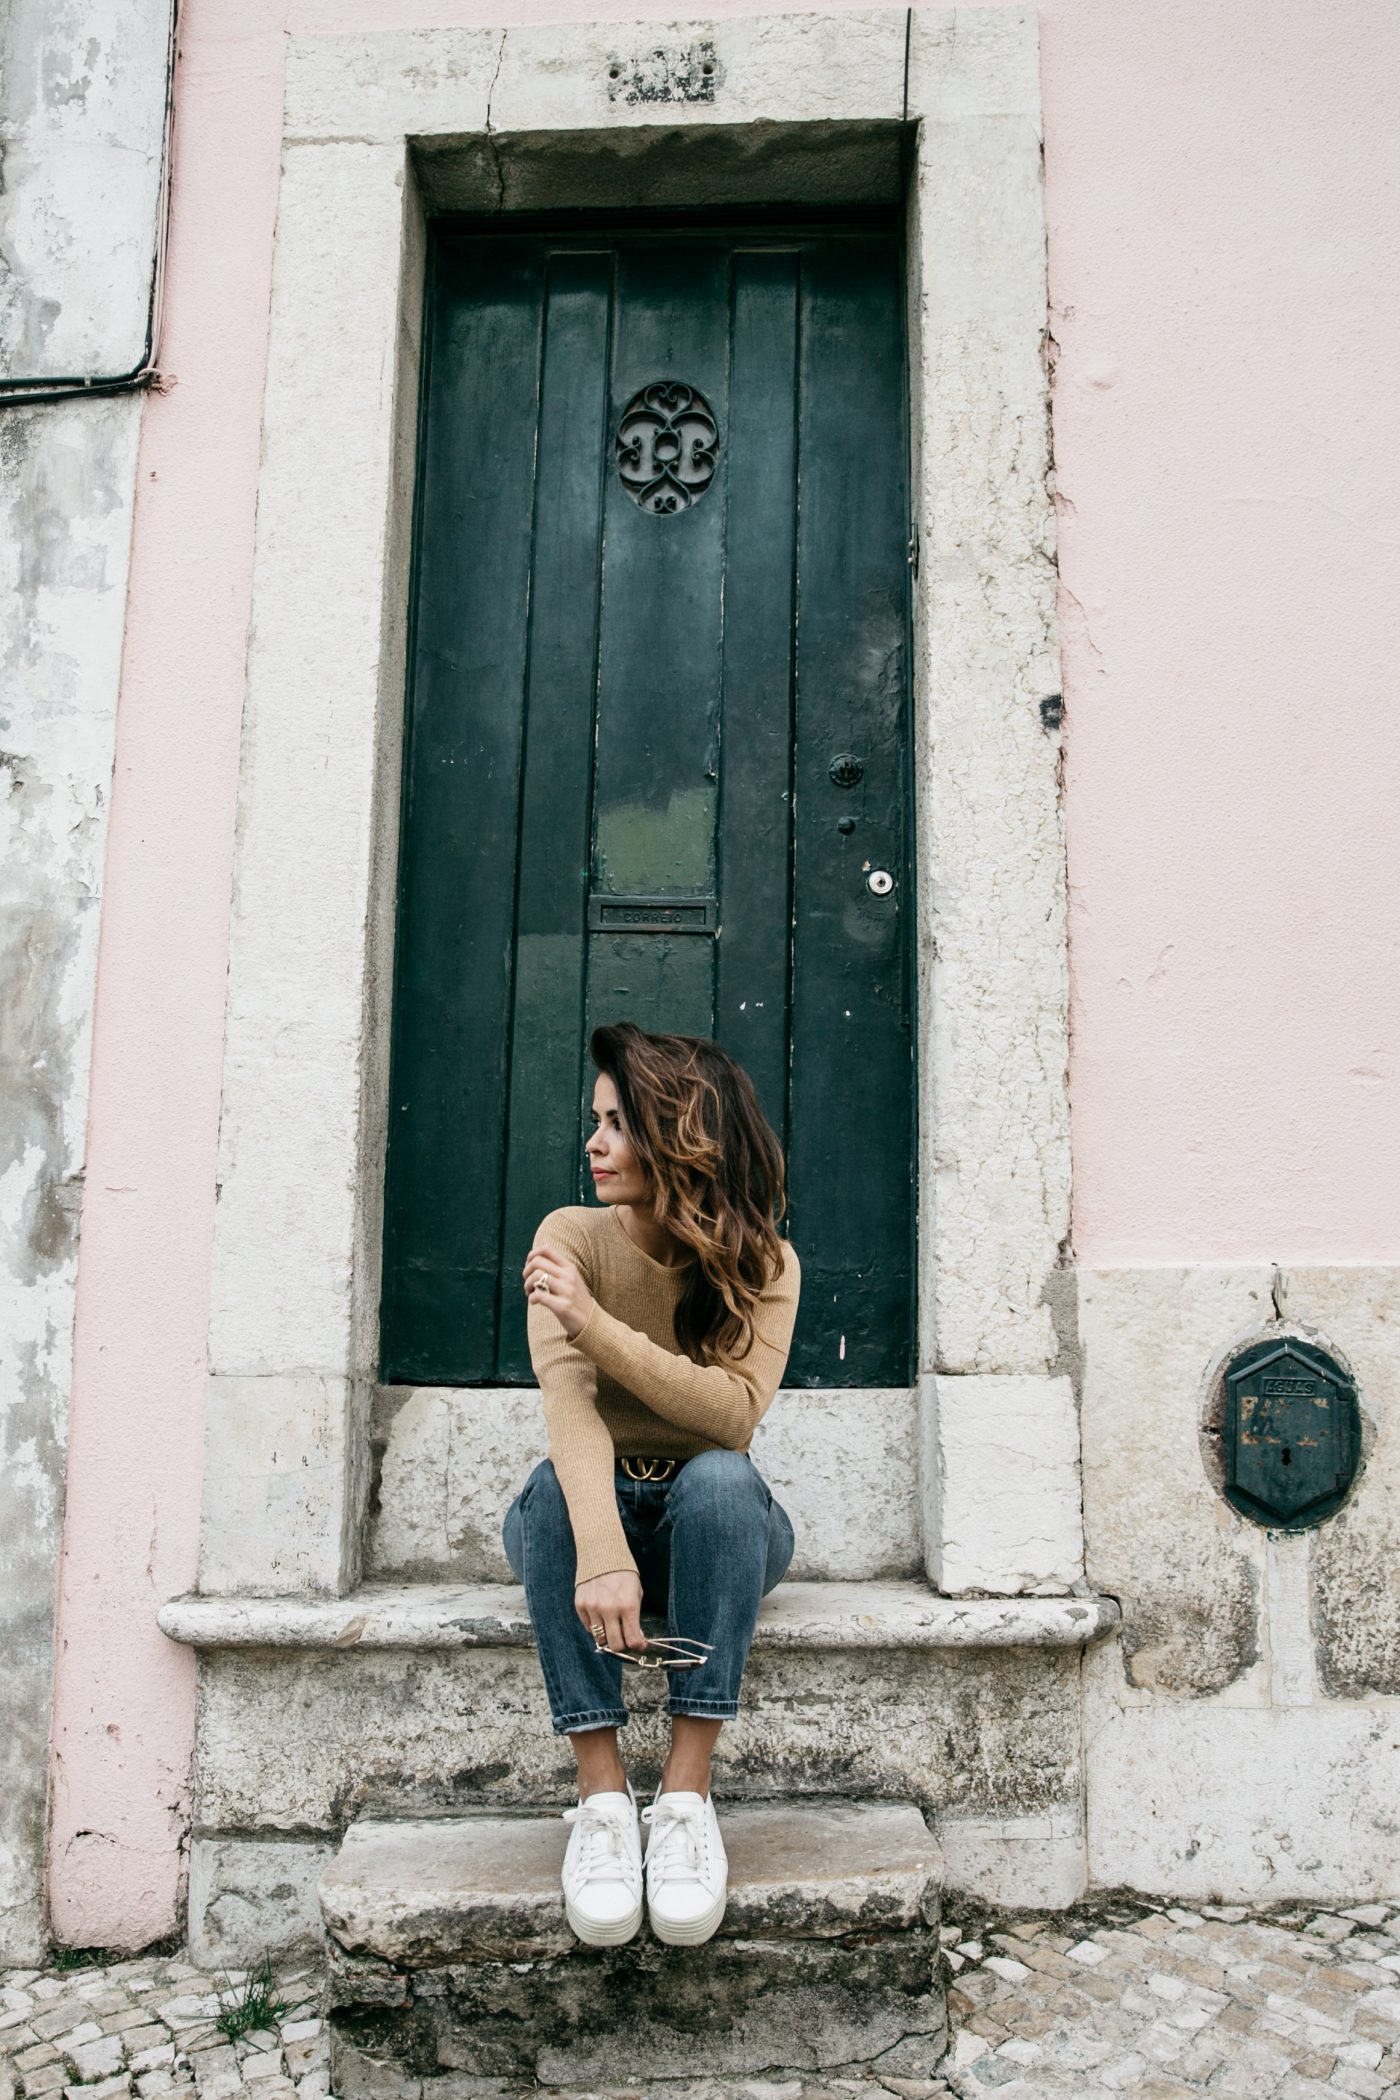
(667, 443)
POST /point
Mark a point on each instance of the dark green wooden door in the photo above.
(658, 755)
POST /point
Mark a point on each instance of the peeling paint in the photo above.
(66, 480)
(82, 117)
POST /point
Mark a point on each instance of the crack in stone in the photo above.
(491, 146)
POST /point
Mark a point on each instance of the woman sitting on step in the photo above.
(659, 1327)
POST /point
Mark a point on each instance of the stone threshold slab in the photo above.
(486, 1888)
(493, 1615)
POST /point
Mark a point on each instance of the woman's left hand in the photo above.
(552, 1280)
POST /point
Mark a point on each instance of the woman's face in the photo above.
(617, 1176)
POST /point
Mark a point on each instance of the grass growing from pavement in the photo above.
(64, 1960)
(254, 2006)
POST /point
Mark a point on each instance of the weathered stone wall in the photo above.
(302, 1744)
(82, 119)
(66, 475)
(292, 1747)
(82, 93)
(844, 1465)
(1241, 1736)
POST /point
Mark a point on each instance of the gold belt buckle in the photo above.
(648, 1468)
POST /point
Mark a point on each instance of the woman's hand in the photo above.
(613, 1602)
(552, 1280)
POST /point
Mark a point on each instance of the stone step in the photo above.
(450, 1953)
(493, 1615)
(486, 1887)
(427, 1700)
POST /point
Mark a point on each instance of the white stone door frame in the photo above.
(379, 129)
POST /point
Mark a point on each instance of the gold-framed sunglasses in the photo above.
(673, 1652)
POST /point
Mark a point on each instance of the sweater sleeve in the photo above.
(722, 1402)
(580, 1442)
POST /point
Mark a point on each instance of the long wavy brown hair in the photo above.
(718, 1180)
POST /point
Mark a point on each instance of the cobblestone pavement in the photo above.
(1159, 2004)
(148, 2026)
(1125, 1998)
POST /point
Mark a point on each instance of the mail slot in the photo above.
(1292, 1434)
(608, 913)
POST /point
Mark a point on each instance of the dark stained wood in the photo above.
(608, 701)
(755, 950)
(851, 1148)
(456, 902)
(656, 781)
(547, 1042)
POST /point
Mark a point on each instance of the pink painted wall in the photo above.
(1223, 189)
(1222, 205)
(123, 1694)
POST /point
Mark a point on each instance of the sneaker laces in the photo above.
(678, 1833)
(602, 1834)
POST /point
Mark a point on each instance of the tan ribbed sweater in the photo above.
(622, 1386)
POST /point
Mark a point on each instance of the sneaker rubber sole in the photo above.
(593, 1934)
(694, 1930)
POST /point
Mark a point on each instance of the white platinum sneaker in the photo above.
(602, 1874)
(687, 1871)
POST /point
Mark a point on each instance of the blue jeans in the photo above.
(709, 1544)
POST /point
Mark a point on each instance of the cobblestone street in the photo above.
(1114, 1998)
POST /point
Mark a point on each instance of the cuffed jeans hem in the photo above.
(710, 1710)
(604, 1717)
